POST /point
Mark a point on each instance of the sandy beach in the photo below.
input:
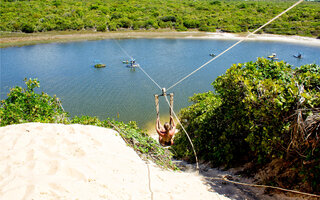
(20, 39)
(56, 161)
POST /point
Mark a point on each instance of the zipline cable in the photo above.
(235, 44)
(149, 77)
(124, 51)
(171, 109)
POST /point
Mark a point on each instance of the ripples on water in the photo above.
(67, 70)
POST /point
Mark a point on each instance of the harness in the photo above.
(156, 98)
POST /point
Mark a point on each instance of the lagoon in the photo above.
(67, 70)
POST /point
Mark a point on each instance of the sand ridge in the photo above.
(55, 161)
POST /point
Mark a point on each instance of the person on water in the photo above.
(166, 132)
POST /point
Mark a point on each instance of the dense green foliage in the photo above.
(25, 105)
(205, 15)
(259, 111)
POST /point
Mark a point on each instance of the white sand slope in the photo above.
(52, 161)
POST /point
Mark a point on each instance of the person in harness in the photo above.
(167, 131)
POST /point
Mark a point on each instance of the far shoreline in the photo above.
(23, 39)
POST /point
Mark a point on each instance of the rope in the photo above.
(119, 131)
(149, 77)
(150, 189)
(265, 186)
(124, 51)
(171, 104)
(171, 107)
(235, 44)
(194, 152)
(156, 98)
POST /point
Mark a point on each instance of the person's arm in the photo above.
(172, 122)
(158, 124)
(158, 127)
(173, 130)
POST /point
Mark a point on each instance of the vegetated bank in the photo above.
(24, 105)
(265, 114)
(208, 15)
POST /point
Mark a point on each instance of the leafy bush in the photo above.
(215, 3)
(180, 27)
(168, 18)
(191, 23)
(259, 111)
(27, 28)
(24, 105)
(102, 27)
(207, 28)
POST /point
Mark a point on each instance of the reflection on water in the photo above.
(67, 71)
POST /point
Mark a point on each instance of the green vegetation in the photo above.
(205, 15)
(259, 112)
(25, 105)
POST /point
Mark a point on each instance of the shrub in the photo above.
(259, 111)
(24, 105)
(168, 18)
(180, 27)
(215, 3)
(27, 28)
(112, 26)
(102, 27)
(191, 23)
(207, 28)
(125, 23)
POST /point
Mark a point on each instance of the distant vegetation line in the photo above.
(205, 15)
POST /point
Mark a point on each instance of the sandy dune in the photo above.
(51, 161)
